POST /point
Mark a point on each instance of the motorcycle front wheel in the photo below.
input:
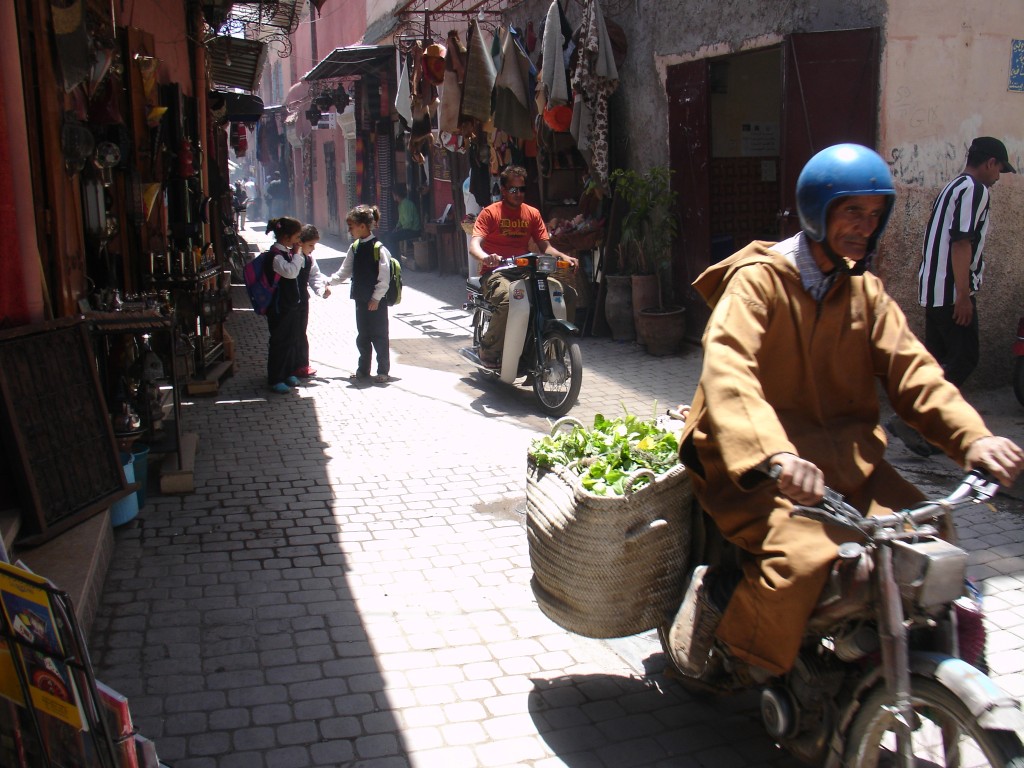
(559, 374)
(947, 733)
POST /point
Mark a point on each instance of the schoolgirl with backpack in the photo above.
(284, 315)
(369, 264)
(309, 277)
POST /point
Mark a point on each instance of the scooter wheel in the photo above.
(559, 374)
(945, 727)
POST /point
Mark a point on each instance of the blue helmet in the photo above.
(840, 171)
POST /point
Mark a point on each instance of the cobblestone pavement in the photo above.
(349, 583)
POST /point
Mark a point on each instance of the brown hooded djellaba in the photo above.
(786, 373)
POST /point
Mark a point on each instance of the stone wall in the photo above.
(943, 83)
(943, 80)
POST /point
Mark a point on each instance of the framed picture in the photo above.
(55, 427)
(440, 163)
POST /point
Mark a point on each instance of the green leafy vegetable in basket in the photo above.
(608, 454)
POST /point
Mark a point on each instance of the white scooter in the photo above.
(539, 340)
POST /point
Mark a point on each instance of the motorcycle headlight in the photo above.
(930, 572)
(546, 264)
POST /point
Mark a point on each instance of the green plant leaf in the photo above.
(607, 454)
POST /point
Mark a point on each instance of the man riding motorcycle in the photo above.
(799, 337)
(505, 229)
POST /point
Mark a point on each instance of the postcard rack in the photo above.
(56, 713)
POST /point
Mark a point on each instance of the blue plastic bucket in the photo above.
(127, 508)
(140, 465)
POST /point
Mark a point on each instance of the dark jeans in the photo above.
(395, 237)
(281, 355)
(372, 335)
(956, 347)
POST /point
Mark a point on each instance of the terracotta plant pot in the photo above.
(645, 294)
(663, 330)
(618, 307)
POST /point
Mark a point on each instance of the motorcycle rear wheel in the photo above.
(941, 715)
(559, 374)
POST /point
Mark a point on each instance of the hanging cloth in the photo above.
(556, 86)
(451, 91)
(403, 102)
(433, 63)
(497, 40)
(513, 109)
(479, 82)
(596, 77)
(73, 43)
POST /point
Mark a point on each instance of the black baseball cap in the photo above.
(987, 146)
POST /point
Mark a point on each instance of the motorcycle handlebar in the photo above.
(524, 260)
(976, 487)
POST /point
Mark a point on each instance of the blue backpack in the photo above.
(261, 282)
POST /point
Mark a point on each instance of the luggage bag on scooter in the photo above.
(607, 566)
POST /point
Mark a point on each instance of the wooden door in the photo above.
(830, 95)
(689, 157)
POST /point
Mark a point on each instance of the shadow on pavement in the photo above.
(601, 719)
(228, 618)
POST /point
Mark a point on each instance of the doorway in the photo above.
(744, 126)
(746, 114)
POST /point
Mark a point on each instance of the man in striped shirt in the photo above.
(952, 267)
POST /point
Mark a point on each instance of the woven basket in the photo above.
(607, 566)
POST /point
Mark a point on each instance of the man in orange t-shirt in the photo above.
(502, 230)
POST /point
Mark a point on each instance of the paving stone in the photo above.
(344, 598)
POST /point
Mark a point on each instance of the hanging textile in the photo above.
(360, 167)
(422, 102)
(555, 84)
(496, 48)
(385, 179)
(479, 81)
(238, 140)
(433, 63)
(451, 91)
(513, 107)
(403, 98)
(480, 172)
(18, 304)
(596, 77)
(71, 38)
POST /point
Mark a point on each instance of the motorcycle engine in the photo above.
(812, 686)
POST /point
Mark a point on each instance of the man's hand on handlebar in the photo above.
(797, 479)
(1002, 457)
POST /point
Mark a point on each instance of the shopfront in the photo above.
(116, 136)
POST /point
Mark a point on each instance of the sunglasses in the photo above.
(515, 190)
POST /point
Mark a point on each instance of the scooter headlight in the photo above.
(546, 264)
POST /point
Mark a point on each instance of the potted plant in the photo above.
(648, 229)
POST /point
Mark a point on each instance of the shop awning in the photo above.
(235, 107)
(352, 60)
(236, 62)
